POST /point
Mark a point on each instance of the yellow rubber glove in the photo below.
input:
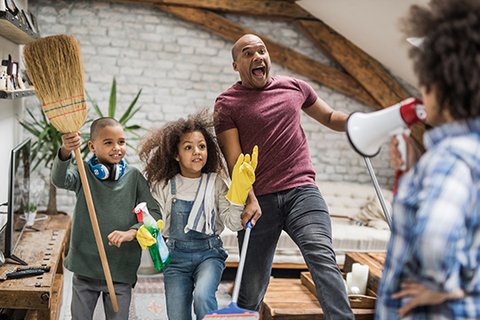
(243, 177)
(145, 238)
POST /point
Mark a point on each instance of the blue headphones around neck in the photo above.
(104, 172)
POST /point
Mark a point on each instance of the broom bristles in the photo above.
(55, 68)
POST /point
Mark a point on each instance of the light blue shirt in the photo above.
(435, 237)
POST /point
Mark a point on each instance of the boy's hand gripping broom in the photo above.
(233, 311)
(55, 68)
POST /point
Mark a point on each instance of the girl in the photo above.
(182, 165)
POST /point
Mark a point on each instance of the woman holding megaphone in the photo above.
(431, 268)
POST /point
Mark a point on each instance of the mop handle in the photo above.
(388, 217)
(243, 255)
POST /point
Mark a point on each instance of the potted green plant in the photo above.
(47, 140)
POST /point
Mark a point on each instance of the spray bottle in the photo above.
(159, 250)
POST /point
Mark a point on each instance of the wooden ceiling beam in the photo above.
(270, 8)
(371, 75)
(297, 62)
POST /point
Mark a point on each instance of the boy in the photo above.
(116, 189)
(432, 267)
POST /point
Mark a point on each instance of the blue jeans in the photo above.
(196, 266)
(303, 214)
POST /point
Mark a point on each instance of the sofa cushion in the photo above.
(347, 199)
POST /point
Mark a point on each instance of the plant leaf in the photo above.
(112, 104)
(95, 105)
(129, 113)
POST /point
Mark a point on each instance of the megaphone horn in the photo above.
(368, 131)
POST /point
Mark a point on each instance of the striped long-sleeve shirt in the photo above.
(435, 236)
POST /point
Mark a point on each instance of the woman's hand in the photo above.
(420, 295)
(412, 151)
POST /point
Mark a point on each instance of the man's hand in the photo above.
(71, 141)
(116, 238)
(422, 296)
(252, 211)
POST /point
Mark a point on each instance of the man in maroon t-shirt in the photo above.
(265, 111)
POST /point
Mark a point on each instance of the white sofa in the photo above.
(357, 225)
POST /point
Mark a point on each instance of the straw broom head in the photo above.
(55, 68)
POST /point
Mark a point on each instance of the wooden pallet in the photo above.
(290, 299)
(295, 299)
(357, 301)
(374, 261)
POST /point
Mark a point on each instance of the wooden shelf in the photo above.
(15, 31)
(41, 295)
(16, 94)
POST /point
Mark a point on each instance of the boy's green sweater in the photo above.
(114, 202)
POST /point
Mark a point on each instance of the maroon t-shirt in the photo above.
(270, 118)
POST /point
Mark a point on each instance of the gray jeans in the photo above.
(303, 214)
(85, 296)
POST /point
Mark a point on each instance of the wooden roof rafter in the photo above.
(284, 9)
(364, 79)
(282, 55)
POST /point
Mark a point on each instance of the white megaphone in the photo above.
(368, 131)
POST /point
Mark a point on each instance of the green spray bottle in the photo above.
(159, 250)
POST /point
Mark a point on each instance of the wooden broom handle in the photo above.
(96, 229)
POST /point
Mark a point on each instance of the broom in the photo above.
(55, 68)
(233, 311)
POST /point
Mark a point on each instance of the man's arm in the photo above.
(229, 143)
(324, 114)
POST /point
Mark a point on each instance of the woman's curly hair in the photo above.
(160, 148)
(448, 60)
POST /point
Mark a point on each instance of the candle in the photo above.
(349, 281)
(359, 277)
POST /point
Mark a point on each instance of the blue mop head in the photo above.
(233, 312)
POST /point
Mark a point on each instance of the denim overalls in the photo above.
(197, 264)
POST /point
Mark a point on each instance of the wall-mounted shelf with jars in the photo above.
(15, 29)
(16, 93)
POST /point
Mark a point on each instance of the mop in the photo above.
(233, 311)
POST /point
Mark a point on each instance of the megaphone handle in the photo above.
(378, 191)
(402, 148)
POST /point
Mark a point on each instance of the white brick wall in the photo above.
(182, 68)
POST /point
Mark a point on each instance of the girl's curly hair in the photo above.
(448, 60)
(160, 148)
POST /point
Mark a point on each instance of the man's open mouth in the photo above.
(259, 71)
